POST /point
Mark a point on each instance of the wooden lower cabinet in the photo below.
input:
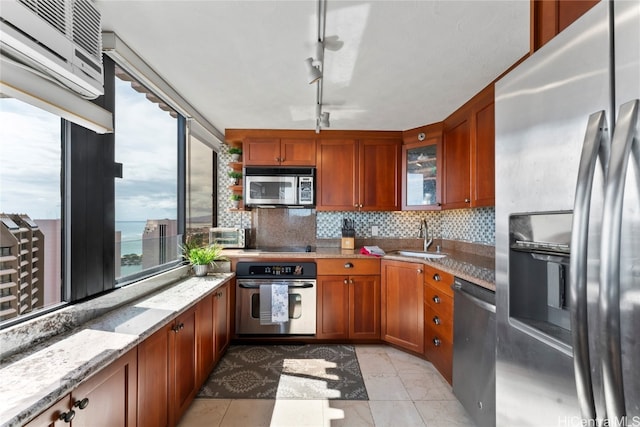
(348, 305)
(175, 361)
(107, 399)
(402, 304)
(222, 320)
(438, 313)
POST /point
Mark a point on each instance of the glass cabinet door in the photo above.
(421, 172)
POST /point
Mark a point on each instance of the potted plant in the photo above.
(236, 176)
(235, 152)
(201, 257)
(235, 198)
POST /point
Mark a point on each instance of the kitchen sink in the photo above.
(419, 254)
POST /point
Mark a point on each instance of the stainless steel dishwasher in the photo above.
(474, 351)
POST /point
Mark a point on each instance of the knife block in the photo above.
(348, 243)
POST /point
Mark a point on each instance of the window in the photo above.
(146, 197)
(30, 209)
(201, 190)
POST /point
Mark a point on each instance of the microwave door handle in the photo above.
(609, 300)
(595, 145)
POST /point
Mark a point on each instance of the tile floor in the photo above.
(403, 391)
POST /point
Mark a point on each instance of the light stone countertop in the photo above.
(32, 381)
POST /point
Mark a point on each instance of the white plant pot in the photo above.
(235, 157)
(201, 270)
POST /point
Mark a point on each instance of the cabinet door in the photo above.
(222, 324)
(332, 307)
(457, 192)
(261, 151)
(182, 340)
(337, 186)
(483, 167)
(205, 338)
(153, 380)
(51, 416)
(379, 177)
(109, 397)
(402, 305)
(364, 307)
(422, 175)
(297, 152)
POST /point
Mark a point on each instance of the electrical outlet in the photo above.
(374, 230)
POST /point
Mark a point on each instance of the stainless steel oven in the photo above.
(299, 277)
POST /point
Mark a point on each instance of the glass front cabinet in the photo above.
(422, 175)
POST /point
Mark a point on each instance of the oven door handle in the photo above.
(257, 286)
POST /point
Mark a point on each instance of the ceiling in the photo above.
(401, 64)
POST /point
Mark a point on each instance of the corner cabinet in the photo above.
(402, 309)
(348, 299)
(279, 152)
(469, 154)
(358, 174)
(422, 174)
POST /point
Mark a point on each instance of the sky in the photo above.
(30, 150)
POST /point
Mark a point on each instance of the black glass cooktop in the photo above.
(307, 248)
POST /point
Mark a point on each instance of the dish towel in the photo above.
(274, 304)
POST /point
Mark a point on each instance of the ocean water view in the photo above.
(131, 236)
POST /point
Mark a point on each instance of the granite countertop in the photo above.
(33, 380)
(478, 268)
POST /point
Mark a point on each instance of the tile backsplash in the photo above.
(475, 225)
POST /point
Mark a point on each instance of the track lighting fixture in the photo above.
(314, 70)
(324, 120)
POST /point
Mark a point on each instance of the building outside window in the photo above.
(146, 197)
(30, 209)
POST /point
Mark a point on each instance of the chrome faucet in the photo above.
(423, 233)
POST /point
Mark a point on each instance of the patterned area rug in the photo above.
(307, 371)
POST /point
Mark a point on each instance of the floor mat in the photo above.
(309, 371)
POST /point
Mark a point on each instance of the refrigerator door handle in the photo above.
(609, 300)
(595, 146)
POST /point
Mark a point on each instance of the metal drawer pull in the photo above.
(68, 416)
(436, 299)
(436, 320)
(437, 342)
(348, 265)
(82, 403)
(419, 271)
(346, 281)
(436, 277)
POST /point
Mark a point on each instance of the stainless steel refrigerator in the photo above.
(568, 227)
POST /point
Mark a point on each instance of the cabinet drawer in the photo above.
(439, 323)
(348, 266)
(439, 280)
(439, 351)
(439, 302)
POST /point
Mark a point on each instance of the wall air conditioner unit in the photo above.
(60, 40)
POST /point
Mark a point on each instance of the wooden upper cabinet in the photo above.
(469, 153)
(549, 17)
(279, 152)
(457, 155)
(337, 175)
(379, 177)
(422, 170)
(358, 174)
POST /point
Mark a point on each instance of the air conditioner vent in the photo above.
(52, 11)
(86, 28)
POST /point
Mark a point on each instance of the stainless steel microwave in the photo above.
(279, 187)
(228, 237)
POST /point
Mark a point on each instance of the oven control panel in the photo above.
(279, 269)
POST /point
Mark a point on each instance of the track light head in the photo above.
(314, 71)
(324, 120)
